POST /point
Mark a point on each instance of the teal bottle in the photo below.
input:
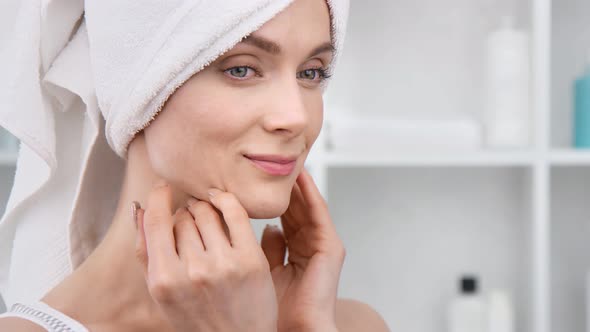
(582, 110)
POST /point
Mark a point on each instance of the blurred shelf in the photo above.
(8, 158)
(569, 157)
(479, 158)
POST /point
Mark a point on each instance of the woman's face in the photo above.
(263, 97)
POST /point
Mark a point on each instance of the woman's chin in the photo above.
(269, 208)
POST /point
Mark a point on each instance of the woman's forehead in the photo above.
(302, 18)
(274, 48)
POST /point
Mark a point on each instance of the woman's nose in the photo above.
(286, 113)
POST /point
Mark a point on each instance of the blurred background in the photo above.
(8, 143)
(454, 158)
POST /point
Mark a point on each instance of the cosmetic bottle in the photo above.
(582, 108)
(507, 114)
(467, 312)
(500, 312)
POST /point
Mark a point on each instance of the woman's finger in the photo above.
(235, 216)
(316, 205)
(188, 240)
(274, 246)
(140, 247)
(298, 213)
(209, 224)
(310, 191)
(158, 226)
(297, 202)
(318, 210)
(307, 206)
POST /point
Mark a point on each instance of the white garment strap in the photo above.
(42, 314)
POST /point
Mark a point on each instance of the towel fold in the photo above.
(80, 80)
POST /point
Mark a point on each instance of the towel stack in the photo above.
(348, 132)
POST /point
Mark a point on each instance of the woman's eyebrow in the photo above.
(263, 43)
(275, 49)
(325, 47)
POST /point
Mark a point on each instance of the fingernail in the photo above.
(134, 207)
(191, 201)
(213, 192)
(270, 227)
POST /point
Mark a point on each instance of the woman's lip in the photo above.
(272, 158)
(274, 168)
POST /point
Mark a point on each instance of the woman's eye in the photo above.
(239, 72)
(312, 74)
(309, 74)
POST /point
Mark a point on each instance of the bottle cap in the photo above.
(468, 285)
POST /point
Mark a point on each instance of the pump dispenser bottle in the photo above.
(467, 312)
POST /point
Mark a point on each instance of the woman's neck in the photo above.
(109, 286)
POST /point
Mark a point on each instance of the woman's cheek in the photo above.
(316, 125)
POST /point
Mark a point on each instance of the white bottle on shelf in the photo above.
(467, 312)
(501, 312)
(507, 112)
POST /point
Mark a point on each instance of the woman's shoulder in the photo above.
(353, 315)
(19, 324)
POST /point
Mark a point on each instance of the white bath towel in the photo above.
(79, 80)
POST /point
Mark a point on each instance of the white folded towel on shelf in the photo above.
(350, 132)
(79, 79)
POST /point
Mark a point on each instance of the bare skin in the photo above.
(197, 143)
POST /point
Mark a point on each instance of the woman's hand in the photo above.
(307, 285)
(200, 280)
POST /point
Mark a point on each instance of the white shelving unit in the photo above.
(413, 223)
(517, 219)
